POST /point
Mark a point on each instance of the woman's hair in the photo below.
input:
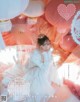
(41, 39)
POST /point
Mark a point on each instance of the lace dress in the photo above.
(40, 74)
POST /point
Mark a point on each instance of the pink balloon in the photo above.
(67, 43)
(60, 14)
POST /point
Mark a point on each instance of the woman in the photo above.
(41, 72)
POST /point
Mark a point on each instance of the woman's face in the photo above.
(46, 46)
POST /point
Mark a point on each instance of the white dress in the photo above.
(40, 75)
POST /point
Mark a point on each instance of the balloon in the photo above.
(47, 1)
(60, 14)
(67, 43)
(12, 8)
(35, 8)
(76, 52)
(5, 26)
(75, 28)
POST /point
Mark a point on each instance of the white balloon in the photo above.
(75, 28)
(77, 24)
(2, 44)
(35, 8)
(12, 8)
(5, 26)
